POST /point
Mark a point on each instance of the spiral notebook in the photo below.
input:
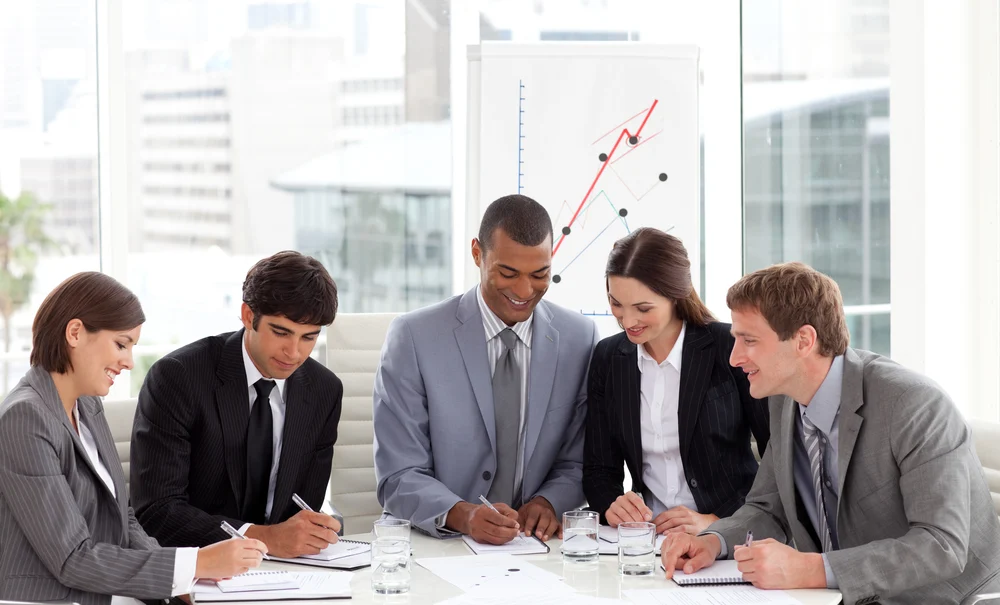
(720, 572)
(347, 555)
(258, 580)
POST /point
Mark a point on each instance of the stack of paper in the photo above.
(521, 545)
(258, 580)
(311, 585)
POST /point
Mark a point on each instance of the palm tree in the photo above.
(22, 238)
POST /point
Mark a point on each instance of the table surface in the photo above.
(599, 579)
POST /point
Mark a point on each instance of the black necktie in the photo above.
(260, 443)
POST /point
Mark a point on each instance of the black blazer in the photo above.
(715, 411)
(188, 458)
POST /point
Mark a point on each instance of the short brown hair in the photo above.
(660, 261)
(792, 295)
(96, 299)
(292, 285)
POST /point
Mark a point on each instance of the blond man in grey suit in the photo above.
(67, 532)
(869, 484)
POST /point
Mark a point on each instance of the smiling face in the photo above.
(773, 366)
(644, 315)
(98, 357)
(278, 346)
(513, 277)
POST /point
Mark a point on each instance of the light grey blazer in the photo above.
(915, 519)
(63, 537)
(435, 436)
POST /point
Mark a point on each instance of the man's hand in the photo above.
(538, 517)
(228, 558)
(683, 519)
(628, 507)
(687, 552)
(771, 564)
(306, 533)
(483, 524)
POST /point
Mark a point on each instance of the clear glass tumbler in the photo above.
(390, 565)
(580, 536)
(636, 552)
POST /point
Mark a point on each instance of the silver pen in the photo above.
(301, 503)
(226, 527)
(483, 499)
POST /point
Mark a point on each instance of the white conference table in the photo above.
(599, 579)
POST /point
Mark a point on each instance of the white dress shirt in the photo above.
(185, 559)
(277, 401)
(662, 468)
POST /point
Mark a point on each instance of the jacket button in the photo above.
(694, 483)
(486, 475)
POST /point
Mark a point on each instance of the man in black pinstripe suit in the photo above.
(204, 452)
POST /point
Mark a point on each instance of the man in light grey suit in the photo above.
(484, 394)
(869, 484)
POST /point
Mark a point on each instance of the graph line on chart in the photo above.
(607, 161)
(520, 134)
(586, 210)
(580, 253)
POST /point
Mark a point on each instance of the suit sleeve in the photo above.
(762, 512)
(603, 461)
(404, 463)
(137, 536)
(44, 508)
(161, 461)
(563, 487)
(318, 475)
(932, 447)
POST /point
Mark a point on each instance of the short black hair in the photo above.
(292, 285)
(523, 220)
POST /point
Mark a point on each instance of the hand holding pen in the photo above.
(306, 533)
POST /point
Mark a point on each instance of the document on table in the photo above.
(501, 573)
(311, 585)
(345, 554)
(257, 580)
(521, 545)
(550, 598)
(340, 549)
(719, 595)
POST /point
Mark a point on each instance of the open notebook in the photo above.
(521, 545)
(307, 585)
(258, 580)
(720, 572)
(346, 555)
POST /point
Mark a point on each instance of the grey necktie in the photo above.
(815, 450)
(507, 414)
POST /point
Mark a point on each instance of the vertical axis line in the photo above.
(520, 134)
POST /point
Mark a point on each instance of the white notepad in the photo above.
(340, 549)
(720, 572)
(308, 586)
(521, 545)
(258, 580)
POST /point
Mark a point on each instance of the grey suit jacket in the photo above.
(63, 536)
(435, 437)
(915, 519)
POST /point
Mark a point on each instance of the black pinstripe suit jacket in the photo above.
(715, 412)
(188, 453)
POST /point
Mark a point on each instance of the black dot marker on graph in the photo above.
(565, 230)
(663, 176)
(556, 279)
(603, 157)
(623, 212)
(633, 140)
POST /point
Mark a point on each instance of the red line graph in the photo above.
(636, 146)
(624, 133)
(618, 126)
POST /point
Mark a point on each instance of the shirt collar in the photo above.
(825, 404)
(253, 374)
(673, 357)
(494, 325)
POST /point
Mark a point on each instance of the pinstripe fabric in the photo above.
(715, 416)
(188, 470)
(63, 535)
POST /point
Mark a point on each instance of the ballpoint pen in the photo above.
(301, 503)
(226, 527)
(483, 499)
(749, 541)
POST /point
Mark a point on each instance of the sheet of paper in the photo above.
(338, 550)
(608, 533)
(501, 573)
(717, 595)
(521, 545)
(258, 580)
(311, 585)
(551, 598)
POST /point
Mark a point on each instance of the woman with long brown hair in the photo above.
(663, 399)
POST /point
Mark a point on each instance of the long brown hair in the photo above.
(660, 261)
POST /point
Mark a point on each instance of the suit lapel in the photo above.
(471, 338)
(625, 370)
(541, 374)
(297, 418)
(851, 400)
(232, 399)
(92, 415)
(697, 360)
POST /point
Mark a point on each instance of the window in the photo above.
(816, 149)
(48, 162)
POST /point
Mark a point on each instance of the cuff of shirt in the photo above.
(440, 521)
(723, 550)
(243, 528)
(185, 562)
(831, 580)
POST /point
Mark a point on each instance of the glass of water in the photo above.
(391, 527)
(636, 555)
(580, 536)
(390, 565)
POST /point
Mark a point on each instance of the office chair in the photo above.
(981, 598)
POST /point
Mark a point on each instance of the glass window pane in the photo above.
(816, 148)
(49, 221)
